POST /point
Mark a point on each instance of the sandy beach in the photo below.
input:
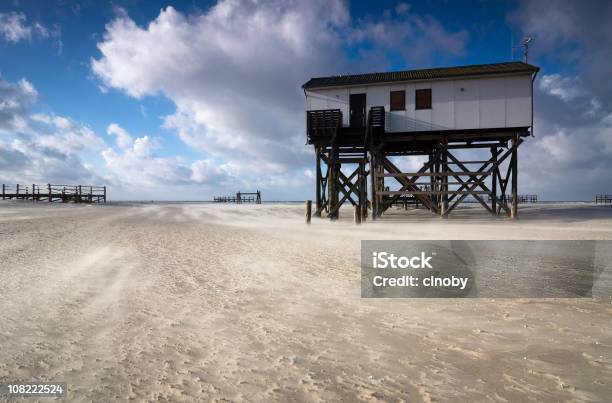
(246, 303)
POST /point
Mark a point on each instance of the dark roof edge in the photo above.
(515, 67)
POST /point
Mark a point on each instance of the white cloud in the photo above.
(604, 134)
(206, 171)
(124, 140)
(15, 101)
(135, 165)
(66, 136)
(571, 154)
(14, 28)
(129, 169)
(38, 147)
(231, 73)
(416, 38)
(142, 147)
(565, 88)
(234, 73)
(42, 148)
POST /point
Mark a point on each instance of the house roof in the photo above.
(422, 74)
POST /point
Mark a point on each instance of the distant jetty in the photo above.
(55, 193)
(603, 199)
(241, 197)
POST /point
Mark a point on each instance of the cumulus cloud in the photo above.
(42, 148)
(234, 72)
(566, 88)
(416, 38)
(143, 147)
(14, 27)
(15, 101)
(206, 171)
(39, 147)
(66, 136)
(571, 154)
(231, 73)
(124, 139)
(134, 164)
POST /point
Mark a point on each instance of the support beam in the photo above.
(363, 191)
(320, 190)
(357, 215)
(444, 179)
(473, 182)
(514, 167)
(353, 187)
(374, 170)
(494, 180)
(332, 182)
(443, 182)
(409, 184)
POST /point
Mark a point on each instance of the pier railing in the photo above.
(241, 197)
(55, 193)
(323, 123)
(522, 198)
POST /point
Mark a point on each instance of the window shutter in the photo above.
(398, 100)
(423, 99)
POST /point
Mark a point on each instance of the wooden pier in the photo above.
(55, 193)
(527, 198)
(522, 198)
(603, 199)
(241, 197)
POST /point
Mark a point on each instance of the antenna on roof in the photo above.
(526, 42)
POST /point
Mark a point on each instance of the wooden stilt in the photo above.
(308, 211)
(363, 191)
(514, 167)
(357, 214)
(319, 179)
(444, 166)
(494, 181)
(374, 183)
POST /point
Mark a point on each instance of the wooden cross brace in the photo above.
(348, 188)
(489, 167)
(408, 184)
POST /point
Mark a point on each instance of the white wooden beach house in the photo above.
(453, 98)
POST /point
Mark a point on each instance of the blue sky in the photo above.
(173, 78)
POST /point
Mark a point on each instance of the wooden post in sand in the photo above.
(308, 211)
(357, 214)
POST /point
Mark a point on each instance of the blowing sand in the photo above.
(246, 303)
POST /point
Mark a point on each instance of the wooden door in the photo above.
(357, 103)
